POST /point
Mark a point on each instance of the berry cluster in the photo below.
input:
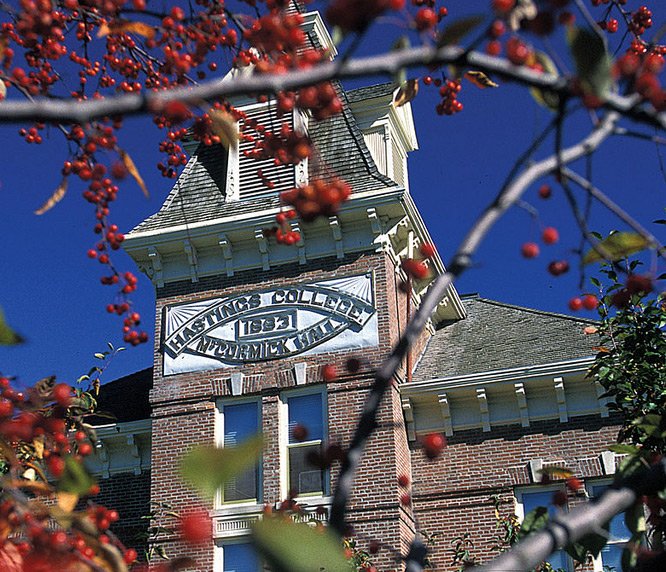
(417, 268)
(285, 145)
(640, 67)
(321, 100)
(319, 198)
(587, 302)
(283, 232)
(449, 93)
(641, 20)
(636, 285)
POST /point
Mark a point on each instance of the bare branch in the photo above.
(571, 527)
(616, 209)
(56, 110)
(508, 196)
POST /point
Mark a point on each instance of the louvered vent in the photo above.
(399, 167)
(374, 139)
(254, 174)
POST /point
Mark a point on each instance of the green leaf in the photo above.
(591, 543)
(634, 518)
(75, 478)
(458, 30)
(593, 64)
(623, 449)
(8, 337)
(617, 246)
(291, 547)
(534, 520)
(207, 467)
(546, 99)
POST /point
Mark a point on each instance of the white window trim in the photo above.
(520, 508)
(219, 442)
(283, 418)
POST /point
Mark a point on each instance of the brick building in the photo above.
(244, 326)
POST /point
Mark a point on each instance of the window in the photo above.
(240, 421)
(239, 557)
(528, 500)
(611, 554)
(304, 477)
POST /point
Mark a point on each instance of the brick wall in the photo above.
(452, 493)
(184, 404)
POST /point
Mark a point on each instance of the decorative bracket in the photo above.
(522, 404)
(336, 231)
(535, 465)
(561, 399)
(603, 401)
(192, 259)
(608, 462)
(227, 252)
(134, 451)
(446, 413)
(103, 455)
(302, 260)
(262, 244)
(482, 398)
(156, 262)
(408, 411)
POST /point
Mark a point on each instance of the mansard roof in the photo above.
(199, 194)
(126, 398)
(496, 336)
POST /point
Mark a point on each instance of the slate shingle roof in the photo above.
(496, 336)
(378, 90)
(199, 193)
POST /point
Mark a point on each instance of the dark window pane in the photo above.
(306, 410)
(304, 477)
(242, 487)
(611, 556)
(241, 421)
(240, 558)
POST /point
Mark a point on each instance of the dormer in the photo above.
(388, 130)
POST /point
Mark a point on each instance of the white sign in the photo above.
(298, 319)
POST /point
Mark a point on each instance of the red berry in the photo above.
(196, 528)
(574, 484)
(427, 250)
(130, 556)
(590, 302)
(545, 191)
(575, 304)
(62, 394)
(353, 365)
(558, 267)
(530, 250)
(85, 449)
(637, 284)
(403, 480)
(329, 372)
(503, 6)
(405, 499)
(299, 432)
(550, 235)
(559, 498)
(433, 444)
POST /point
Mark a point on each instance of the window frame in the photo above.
(597, 561)
(220, 545)
(285, 446)
(519, 508)
(219, 441)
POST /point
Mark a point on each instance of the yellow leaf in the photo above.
(544, 98)
(556, 472)
(132, 170)
(38, 446)
(55, 198)
(408, 91)
(601, 349)
(617, 246)
(224, 126)
(480, 79)
(67, 501)
(126, 27)
(590, 330)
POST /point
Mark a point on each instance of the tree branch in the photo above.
(508, 196)
(585, 519)
(56, 110)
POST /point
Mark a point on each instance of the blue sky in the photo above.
(50, 290)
